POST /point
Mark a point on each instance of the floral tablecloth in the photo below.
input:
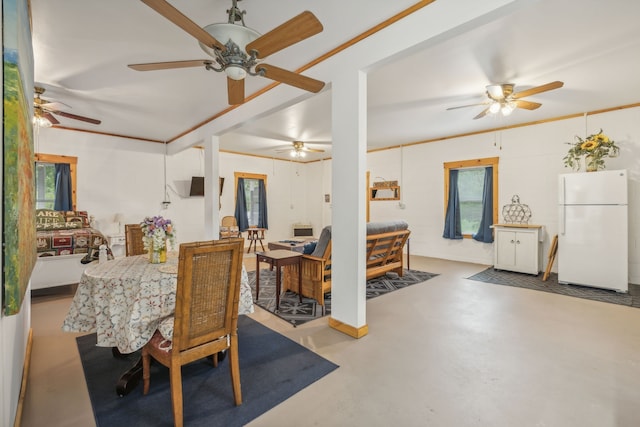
(125, 300)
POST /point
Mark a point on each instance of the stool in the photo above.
(255, 235)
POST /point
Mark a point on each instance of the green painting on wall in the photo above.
(18, 206)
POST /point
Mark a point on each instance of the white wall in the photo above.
(117, 175)
(530, 161)
(126, 176)
(14, 332)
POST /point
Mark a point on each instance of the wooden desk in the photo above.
(278, 259)
(255, 235)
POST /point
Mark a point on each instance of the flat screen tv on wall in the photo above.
(197, 186)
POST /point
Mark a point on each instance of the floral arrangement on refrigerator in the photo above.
(593, 149)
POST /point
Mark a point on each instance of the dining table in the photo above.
(125, 300)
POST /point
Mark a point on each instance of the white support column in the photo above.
(212, 188)
(348, 229)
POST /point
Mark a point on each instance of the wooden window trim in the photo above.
(249, 176)
(73, 167)
(473, 163)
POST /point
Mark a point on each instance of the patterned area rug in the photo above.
(528, 281)
(297, 313)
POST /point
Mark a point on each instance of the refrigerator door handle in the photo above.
(561, 195)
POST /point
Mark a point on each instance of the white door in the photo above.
(592, 246)
(505, 249)
(527, 252)
(591, 188)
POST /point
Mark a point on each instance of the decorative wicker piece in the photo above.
(515, 212)
(385, 184)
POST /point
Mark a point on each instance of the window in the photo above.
(46, 179)
(470, 188)
(45, 185)
(251, 200)
(464, 216)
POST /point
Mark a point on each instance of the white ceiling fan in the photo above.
(298, 150)
(503, 99)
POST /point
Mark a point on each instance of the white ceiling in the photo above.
(82, 49)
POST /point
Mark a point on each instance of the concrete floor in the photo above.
(449, 352)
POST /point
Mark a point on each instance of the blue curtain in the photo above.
(63, 199)
(241, 207)
(485, 233)
(452, 228)
(262, 206)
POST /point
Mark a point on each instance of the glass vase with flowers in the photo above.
(156, 231)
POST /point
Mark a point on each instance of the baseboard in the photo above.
(352, 331)
(25, 377)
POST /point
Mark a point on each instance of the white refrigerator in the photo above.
(593, 230)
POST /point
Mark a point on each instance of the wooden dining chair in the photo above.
(229, 227)
(133, 240)
(206, 315)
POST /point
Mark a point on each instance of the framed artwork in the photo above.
(18, 206)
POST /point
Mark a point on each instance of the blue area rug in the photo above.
(272, 369)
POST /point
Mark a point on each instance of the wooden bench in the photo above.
(384, 254)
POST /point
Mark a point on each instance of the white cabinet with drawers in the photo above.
(517, 247)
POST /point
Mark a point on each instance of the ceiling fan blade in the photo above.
(313, 150)
(291, 32)
(53, 105)
(152, 66)
(287, 77)
(76, 117)
(482, 114)
(465, 106)
(235, 91)
(537, 89)
(175, 16)
(527, 105)
(50, 117)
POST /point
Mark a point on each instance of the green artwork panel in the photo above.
(18, 206)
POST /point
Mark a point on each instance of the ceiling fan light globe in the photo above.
(506, 110)
(494, 107)
(495, 91)
(240, 35)
(41, 122)
(235, 72)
